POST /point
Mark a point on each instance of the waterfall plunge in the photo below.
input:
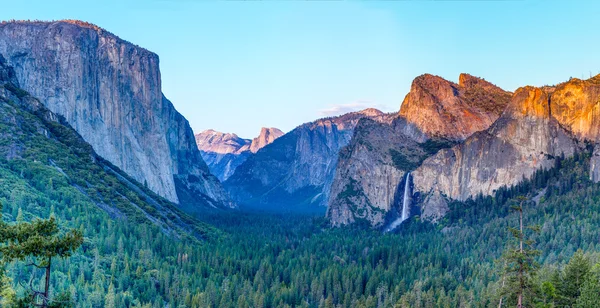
(406, 199)
(405, 206)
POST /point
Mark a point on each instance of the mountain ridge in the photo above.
(297, 168)
(442, 108)
(224, 152)
(109, 90)
(435, 114)
(35, 137)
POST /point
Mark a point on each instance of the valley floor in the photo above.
(286, 259)
(280, 259)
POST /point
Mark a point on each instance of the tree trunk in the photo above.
(521, 269)
(503, 280)
(47, 284)
(521, 228)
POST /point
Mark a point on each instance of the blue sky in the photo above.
(239, 65)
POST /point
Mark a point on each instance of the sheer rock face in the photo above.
(24, 118)
(367, 180)
(109, 90)
(524, 139)
(435, 114)
(537, 125)
(223, 152)
(441, 108)
(576, 105)
(297, 168)
(7, 74)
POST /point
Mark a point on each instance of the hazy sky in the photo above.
(239, 65)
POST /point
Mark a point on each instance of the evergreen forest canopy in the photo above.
(138, 250)
(279, 260)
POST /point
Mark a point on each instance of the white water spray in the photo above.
(406, 200)
(405, 214)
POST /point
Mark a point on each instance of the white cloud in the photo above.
(338, 109)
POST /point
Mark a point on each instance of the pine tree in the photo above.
(520, 265)
(38, 241)
(573, 278)
(7, 294)
(20, 216)
(590, 290)
(109, 299)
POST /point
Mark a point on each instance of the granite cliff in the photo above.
(441, 108)
(539, 125)
(266, 136)
(435, 114)
(223, 152)
(524, 139)
(298, 167)
(367, 181)
(575, 104)
(109, 91)
(45, 161)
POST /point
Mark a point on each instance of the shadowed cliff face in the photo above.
(297, 168)
(40, 143)
(371, 167)
(110, 91)
(524, 139)
(223, 153)
(435, 114)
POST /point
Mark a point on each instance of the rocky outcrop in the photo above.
(42, 143)
(524, 139)
(297, 168)
(222, 143)
(266, 136)
(109, 90)
(435, 114)
(367, 182)
(539, 125)
(441, 108)
(223, 152)
(575, 105)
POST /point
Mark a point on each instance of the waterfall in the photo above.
(406, 199)
(405, 214)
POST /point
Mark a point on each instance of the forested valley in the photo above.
(249, 259)
(469, 195)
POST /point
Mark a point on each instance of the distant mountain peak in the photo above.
(371, 112)
(211, 140)
(267, 136)
(298, 168)
(223, 143)
(224, 152)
